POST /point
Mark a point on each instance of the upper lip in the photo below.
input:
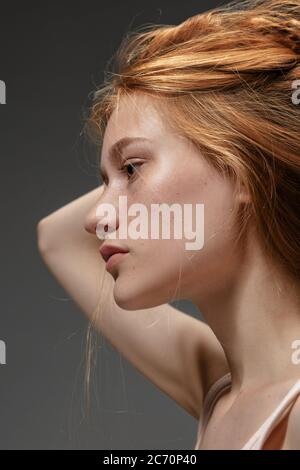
(109, 250)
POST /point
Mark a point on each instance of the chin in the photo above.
(124, 299)
(131, 301)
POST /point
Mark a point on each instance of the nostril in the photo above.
(100, 230)
(91, 226)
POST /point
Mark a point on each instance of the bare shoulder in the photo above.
(292, 436)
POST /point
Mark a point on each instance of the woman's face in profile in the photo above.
(167, 169)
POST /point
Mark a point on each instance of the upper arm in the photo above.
(212, 361)
(191, 358)
(176, 352)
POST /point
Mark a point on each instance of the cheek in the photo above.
(218, 211)
(215, 194)
(155, 263)
(211, 190)
(154, 266)
(215, 259)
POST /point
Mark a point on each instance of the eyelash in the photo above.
(123, 169)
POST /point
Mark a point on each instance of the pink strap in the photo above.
(258, 439)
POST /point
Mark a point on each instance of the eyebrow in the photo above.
(116, 149)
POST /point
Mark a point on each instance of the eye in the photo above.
(130, 167)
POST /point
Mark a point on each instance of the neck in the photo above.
(256, 319)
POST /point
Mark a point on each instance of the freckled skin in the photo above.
(149, 275)
(250, 303)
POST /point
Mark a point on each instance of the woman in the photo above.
(211, 103)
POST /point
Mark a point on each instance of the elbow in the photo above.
(41, 234)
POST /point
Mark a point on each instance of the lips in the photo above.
(107, 251)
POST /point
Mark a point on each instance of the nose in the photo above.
(93, 221)
(90, 222)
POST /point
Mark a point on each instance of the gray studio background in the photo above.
(52, 54)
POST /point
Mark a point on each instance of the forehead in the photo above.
(136, 115)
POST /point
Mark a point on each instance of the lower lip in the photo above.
(114, 259)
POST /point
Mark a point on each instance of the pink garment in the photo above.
(258, 439)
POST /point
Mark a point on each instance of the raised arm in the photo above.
(178, 353)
